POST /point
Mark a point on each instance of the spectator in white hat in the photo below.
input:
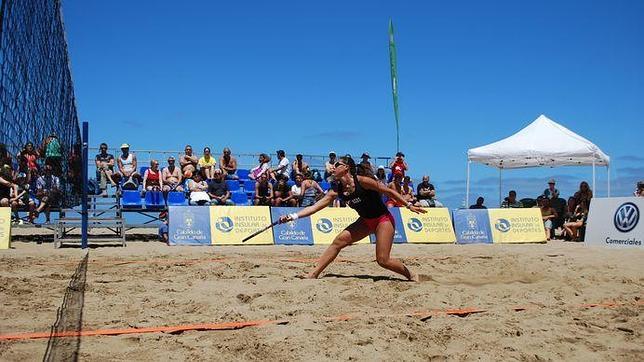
(127, 165)
(551, 192)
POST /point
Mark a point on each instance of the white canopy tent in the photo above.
(543, 143)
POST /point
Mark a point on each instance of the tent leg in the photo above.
(467, 186)
(608, 176)
(594, 189)
(500, 182)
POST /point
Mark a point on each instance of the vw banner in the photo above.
(330, 221)
(189, 225)
(229, 225)
(615, 222)
(296, 232)
(472, 226)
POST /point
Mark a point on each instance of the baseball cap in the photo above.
(171, 158)
(365, 155)
(125, 145)
(332, 153)
(551, 181)
(381, 167)
(400, 154)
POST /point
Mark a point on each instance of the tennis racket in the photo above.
(260, 231)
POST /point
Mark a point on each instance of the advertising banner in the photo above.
(433, 227)
(229, 225)
(517, 225)
(615, 222)
(189, 225)
(296, 232)
(330, 221)
(472, 226)
(5, 228)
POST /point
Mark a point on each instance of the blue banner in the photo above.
(399, 235)
(189, 225)
(296, 232)
(472, 226)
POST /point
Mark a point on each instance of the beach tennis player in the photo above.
(364, 195)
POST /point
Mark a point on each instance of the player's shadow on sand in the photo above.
(375, 278)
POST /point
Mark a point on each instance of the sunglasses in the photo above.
(339, 164)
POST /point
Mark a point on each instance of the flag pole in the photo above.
(394, 80)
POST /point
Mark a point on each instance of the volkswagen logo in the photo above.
(324, 225)
(224, 224)
(415, 225)
(626, 217)
(503, 225)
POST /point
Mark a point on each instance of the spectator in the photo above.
(218, 189)
(28, 160)
(127, 165)
(548, 214)
(5, 157)
(228, 164)
(399, 165)
(329, 166)
(6, 185)
(296, 191)
(53, 153)
(396, 184)
(263, 191)
(426, 194)
(163, 228)
(152, 180)
(299, 166)
(283, 168)
(20, 197)
(310, 192)
(171, 177)
(47, 191)
(381, 175)
(584, 195)
(408, 190)
(104, 168)
(574, 221)
(198, 190)
(511, 201)
(479, 204)
(282, 193)
(207, 164)
(366, 165)
(263, 167)
(640, 189)
(188, 162)
(551, 192)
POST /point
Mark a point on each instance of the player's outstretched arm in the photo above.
(374, 185)
(310, 210)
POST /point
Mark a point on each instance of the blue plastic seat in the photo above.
(154, 200)
(239, 198)
(131, 199)
(176, 198)
(233, 185)
(243, 174)
(249, 186)
(325, 185)
(142, 170)
(290, 183)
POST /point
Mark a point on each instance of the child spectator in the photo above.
(53, 153)
(188, 162)
(47, 191)
(228, 164)
(548, 214)
(207, 164)
(20, 197)
(171, 177)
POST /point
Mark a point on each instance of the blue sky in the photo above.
(311, 77)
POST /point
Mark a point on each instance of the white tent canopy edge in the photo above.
(543, 143)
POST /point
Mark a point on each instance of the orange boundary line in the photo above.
(237, 325)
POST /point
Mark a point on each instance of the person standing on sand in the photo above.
(363, 194)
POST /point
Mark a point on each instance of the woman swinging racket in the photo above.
(364, 195)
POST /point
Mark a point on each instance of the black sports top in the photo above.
(367, 203)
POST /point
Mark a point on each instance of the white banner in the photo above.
(616, 222)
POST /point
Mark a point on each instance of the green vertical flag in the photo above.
(394, 80)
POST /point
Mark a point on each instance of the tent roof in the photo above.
(542, 143)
